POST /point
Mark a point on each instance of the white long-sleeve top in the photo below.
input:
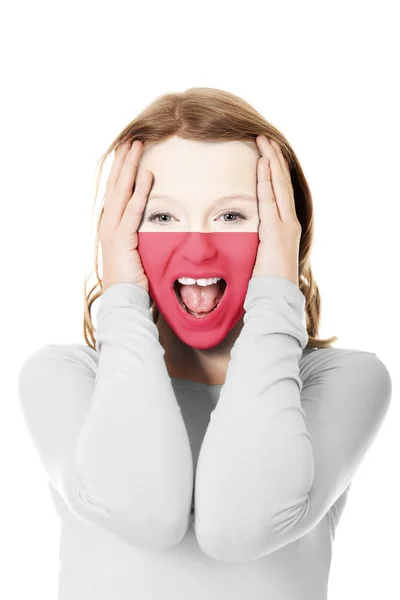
(168, 488)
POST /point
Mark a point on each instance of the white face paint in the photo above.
(194, 175)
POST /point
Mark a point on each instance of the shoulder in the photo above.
(320, 359)
(351, 367)
(51, 356)
(56, 378)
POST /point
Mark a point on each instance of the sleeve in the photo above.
(278, 452)
(108, 428)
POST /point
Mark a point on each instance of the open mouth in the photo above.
(178, 286)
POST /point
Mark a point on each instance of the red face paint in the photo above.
(167, 256)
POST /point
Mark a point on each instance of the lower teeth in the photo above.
(191, 312)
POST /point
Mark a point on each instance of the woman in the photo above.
(204, 440)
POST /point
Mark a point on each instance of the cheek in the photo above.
(156, 251)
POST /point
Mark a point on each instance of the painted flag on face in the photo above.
(201, 316)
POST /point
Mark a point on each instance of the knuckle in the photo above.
(109, 188)
(293, 226)
(106, 230)
(296, 226)
(106, 240)
(139, 189)
(105, 234)
(132, 206)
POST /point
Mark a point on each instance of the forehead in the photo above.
(176, 154)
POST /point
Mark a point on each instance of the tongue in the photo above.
(199, 298)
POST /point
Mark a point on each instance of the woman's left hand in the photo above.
(279, 229)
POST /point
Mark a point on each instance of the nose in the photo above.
(198, 247)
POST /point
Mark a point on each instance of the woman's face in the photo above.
(192, 176)
(193, 228)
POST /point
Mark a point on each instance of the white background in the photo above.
(74, 74)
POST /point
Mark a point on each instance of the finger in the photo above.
(129, 169)
(135, 208)
(287, 178)
(119, 157)
(267, 206)
(282, 161)
(119, 193)
(278, 178)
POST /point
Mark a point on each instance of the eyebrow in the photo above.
(217, 201)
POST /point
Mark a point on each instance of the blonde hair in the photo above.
(213, 115)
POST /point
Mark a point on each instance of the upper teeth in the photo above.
(190, 281)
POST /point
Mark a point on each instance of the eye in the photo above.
(158, 213)
(235, 213)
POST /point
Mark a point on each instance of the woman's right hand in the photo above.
(122, 217)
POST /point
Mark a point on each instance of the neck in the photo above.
(202, 366)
